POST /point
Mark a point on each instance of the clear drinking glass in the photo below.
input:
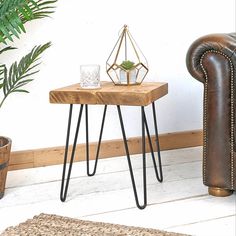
(90, 76)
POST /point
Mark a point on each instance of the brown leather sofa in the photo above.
(211, 59)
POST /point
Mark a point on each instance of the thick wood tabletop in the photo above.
(110, 94)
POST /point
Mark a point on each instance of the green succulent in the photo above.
(127, 65)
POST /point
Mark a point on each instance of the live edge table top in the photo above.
(110, 94)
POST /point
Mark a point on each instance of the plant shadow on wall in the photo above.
(13, 15)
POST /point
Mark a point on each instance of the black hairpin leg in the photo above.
(65, 189)
(129, 161)
(159, 177)
(64, 186)
(99, 141)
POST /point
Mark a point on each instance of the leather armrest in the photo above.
(225, 43)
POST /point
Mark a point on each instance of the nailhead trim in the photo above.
(204, 117)
(205, 139)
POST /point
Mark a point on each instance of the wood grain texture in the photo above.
(110, 94)
(5, 149)
(110, 148)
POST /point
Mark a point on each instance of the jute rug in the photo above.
(50, 225)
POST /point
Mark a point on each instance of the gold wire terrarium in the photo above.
(126, 64)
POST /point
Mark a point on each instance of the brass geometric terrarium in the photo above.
(126, 65)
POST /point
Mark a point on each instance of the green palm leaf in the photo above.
(17, 75)
(42, 8)
(14, 13)
(2, 69)
(2, 66)
(6, 49)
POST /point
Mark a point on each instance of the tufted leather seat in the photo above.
(211, 59)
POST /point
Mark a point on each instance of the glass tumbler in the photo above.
(90, 76)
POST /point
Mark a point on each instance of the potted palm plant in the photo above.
(13, 15)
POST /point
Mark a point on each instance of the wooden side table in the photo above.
(110, 94)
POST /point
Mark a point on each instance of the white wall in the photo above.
(85, 32)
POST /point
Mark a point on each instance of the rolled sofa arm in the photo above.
(211, 60)
(225, 43)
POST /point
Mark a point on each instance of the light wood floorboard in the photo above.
(179, 204)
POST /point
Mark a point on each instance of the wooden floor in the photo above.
(179, 204)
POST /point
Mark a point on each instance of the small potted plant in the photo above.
(126, 64)
(127, 72)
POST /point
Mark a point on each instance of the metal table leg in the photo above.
(159, 173)
(144, 125)
(129, 161)
(99, 141)
(64, 185)
(64, 190)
